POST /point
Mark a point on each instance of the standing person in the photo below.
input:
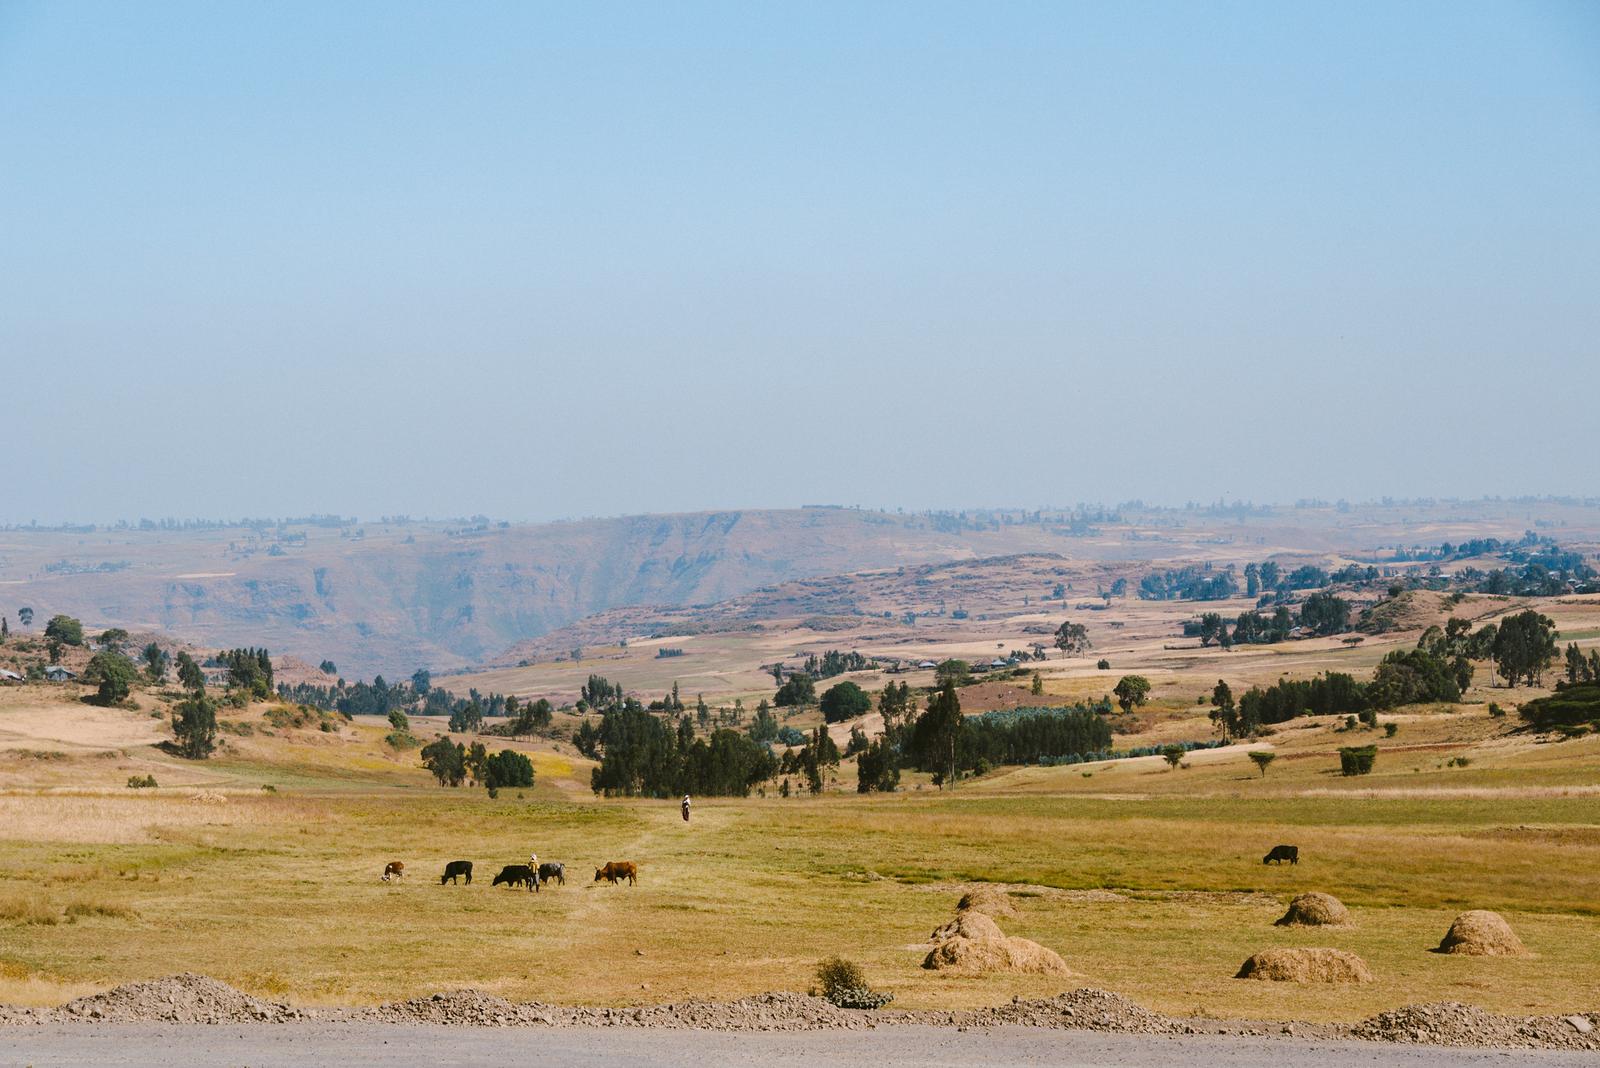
(533, 869)
(686, 808)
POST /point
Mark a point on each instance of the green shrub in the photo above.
(141, 782)
(1103, 665)
(1495, 710)
(1571, 706)
(843, 983)
(1357, 759)
(400, 740)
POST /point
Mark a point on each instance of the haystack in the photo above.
(974, 925)
(1482, 933)
(1306, 966)
(978, 956)
(973, 944)
(1316, 910)
(988, 900)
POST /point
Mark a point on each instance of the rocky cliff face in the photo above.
(391, 597)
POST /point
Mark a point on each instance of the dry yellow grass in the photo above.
(1147, 881)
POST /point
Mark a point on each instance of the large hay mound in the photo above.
(974, 925)
(973, 944)
(988, 900)
(1316, 910)
(1306, 966)
(979, 956)
(1481, 933)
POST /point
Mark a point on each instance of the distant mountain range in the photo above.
(395, 595)
(389, 597)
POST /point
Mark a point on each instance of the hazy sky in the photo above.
(541, 261)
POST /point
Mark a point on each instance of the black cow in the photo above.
(456, 868)
(552, 870)
(516, 875)
(1281, 853)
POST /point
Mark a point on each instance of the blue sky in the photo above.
(554, 260)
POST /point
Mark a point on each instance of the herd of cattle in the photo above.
(515, 875)
(614, 871)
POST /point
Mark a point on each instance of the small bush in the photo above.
(1357, 759)
(1495, 711)
(1389, 729)
(29, 910)
(401, 740)
(1458, 762)
(141, 782)
(843, 983)
(1103, 665)
(268, 788)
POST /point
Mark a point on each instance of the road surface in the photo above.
(399, 1046)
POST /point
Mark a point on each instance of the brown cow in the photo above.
(617, 870)
(395, 869)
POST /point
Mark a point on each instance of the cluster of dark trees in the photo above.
(1521, 648)
(249, 670)
(1198, 583)
(797, 690)
(1269, 575)
(641, 754)
(1582, 668)
(833, 662)
(418, 696)
(811, 760)
(1322, 613)
(453, 763)
(1533, 579)
(948, 744)
(599, 692)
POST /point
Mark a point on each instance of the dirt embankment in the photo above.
(196, 999)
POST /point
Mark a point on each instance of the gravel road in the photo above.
(402, 1046)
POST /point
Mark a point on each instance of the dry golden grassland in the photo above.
(1148, 881)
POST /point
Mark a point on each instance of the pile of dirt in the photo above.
(1316, 910)
(186, 998)
(762, 1012)
(475, 1008)
(988, 900)
(1452, 1024)
(1481, 933)
(470, 1008)
(1083, 1009)
(1306, 966)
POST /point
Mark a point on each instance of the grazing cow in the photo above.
(617, 870)
(551, 869)
(1281, 853)
(395, 869)
(456, 868)
(516, 875)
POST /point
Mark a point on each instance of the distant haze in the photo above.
(555, 260)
